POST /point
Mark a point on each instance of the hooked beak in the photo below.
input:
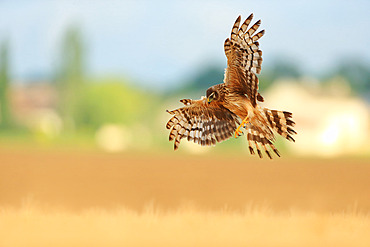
(209, 100)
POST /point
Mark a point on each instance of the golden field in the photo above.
(86, 198)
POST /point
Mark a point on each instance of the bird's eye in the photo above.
(211, 97)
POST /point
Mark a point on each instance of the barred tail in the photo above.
(259, 139)
(281, 122)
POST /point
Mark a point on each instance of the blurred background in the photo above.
(85, 85)
(101, 74)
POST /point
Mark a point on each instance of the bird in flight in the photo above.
(217, 116)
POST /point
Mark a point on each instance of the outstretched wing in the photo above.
(202, 123)
(244, 59)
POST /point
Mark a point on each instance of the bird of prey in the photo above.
(232, 106)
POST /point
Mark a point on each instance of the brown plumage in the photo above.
(215, 118)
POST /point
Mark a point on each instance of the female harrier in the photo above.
(215, 118)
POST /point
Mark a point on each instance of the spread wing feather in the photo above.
(244, 59)
(201, 123)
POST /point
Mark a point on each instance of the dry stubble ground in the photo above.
(68, 198)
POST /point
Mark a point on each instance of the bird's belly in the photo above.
(242, 108)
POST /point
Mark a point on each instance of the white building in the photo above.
(329, 121)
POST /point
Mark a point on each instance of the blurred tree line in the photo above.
(214, 74)
(6, 121)
(86, 103)
(354, 71)
(71, 76)
(83, 103)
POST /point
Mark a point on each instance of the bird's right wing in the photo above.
(201, 123)
(244, 59)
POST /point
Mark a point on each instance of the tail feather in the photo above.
(257, 137)
(281, 122)
(260, 130)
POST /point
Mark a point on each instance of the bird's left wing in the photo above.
(244, 59)
(201, 123)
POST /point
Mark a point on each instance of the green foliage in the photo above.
(5, 114)
(206, 78)
(71, 75)
(88, 105)
(278, 69)
(214, 74)
(110, 101)
(357, 73)
(197, 84)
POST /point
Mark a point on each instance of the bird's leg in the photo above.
(243, 124)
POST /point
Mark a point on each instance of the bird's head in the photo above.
(212, 94)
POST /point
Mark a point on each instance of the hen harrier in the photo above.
(215, 118)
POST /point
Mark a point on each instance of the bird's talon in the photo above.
(238, 132)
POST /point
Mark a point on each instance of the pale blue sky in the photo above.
(160, 42)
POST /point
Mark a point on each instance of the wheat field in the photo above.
(68, 198)
(30, 226)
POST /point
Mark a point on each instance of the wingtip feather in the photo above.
(259, 153)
